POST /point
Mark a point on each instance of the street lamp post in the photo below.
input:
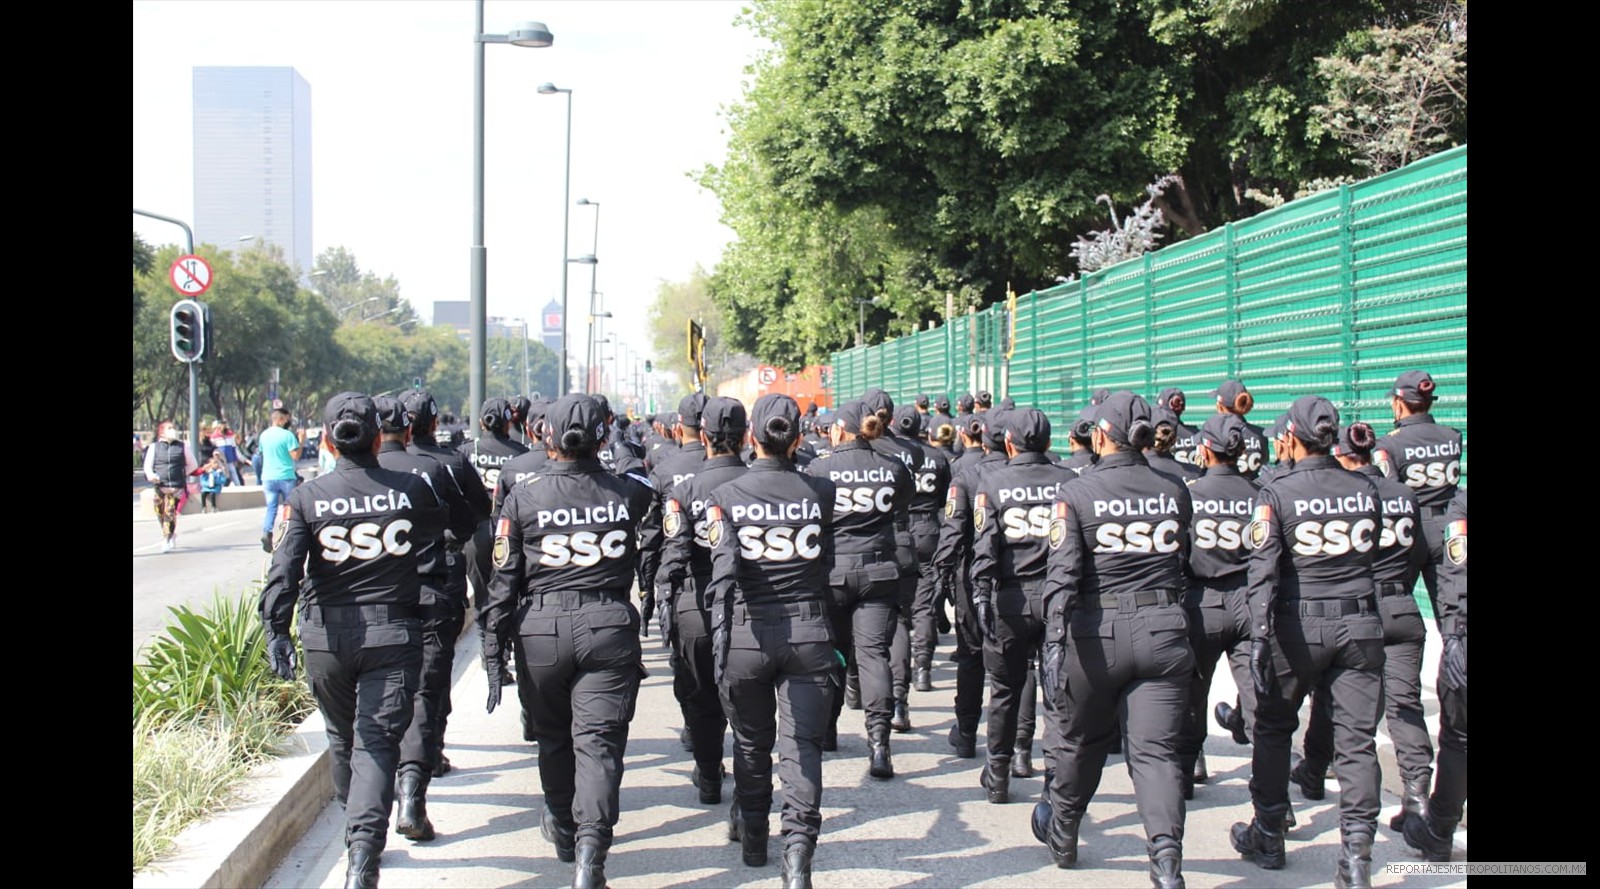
(861, 319)
(593, 270)
(562, 381)
(581, 260)
(533, 34)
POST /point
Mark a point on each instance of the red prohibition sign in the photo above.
(190, 275)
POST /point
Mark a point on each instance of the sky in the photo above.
(392, 138)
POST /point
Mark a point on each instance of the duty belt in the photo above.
(1437, 510)
(1328, 607)
(1130, 601)
(856, 560)
(1394, 588)
(357, 614)
(568, 600)
(745, 611)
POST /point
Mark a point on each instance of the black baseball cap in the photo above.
(1172, 399)
(724, 415)
(689, 408)
(1229, 392)
(964, 403)
(421, 405)
(994, 429)
(942, 403)
(1117, 414)
(1307, 413)
(907, 420)
(922, 401)
(519, 408)
(1099, 397)
(1223, 435)
(875, 400)
(1413, 384)
(850, 414)
(1029, 428)
(667, 419)
(1008, 403)
(776, 405)
(537, 408)
(605, 406)
(496, 407)
(351, 406)
(1278, 427)
(576, 411)
(1159, 415)
(1083, 425)
(392, 415)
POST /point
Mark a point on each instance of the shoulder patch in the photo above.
(1058, 525)
(979, 505)
(950, 501)
(1259, 526)
(672, 518)
(501, 554)
(282, 528)
(1380, 459)
(714, 526)
(1455, 544)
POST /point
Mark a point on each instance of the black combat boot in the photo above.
(1199, 773)
(559, 835)
(590, 872)
(922, 675)
(1262, 839)
(1062, 839)
(1166, 863)
(411, 818)
(1022, 762)
(901, 721)
(996, 779)
(1355, 863)
(1435, 839)
(797, 864)
(362, 872)
(1310, 780)
(830, 738)
(1414, 801)
(966, 746)
(852, 692)
(709, 783)
(752, 837)
(1231, 719)
(882, 767)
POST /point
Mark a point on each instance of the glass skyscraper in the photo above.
(252, 159)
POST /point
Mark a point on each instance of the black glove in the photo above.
(280, 652)
(664, 614)
(491, 666)
(647, 609)
(984, 609)
(719, 651)
(1453, 665)
(1261, 673)
(945, 594)
(1055, 656)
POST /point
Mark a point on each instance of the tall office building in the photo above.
(252, 159)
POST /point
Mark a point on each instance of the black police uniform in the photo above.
(1425, 457)
(488, 454)
(872, 490)
(1433, 832)
(1115, 624)
(1313, 611)
(1397, 561)
(778, 665)
(347, 546)
(1218, 609)
(1167, 465)
(1255, 453)
(672, 469)
(564, 557)
(932, 478)
(909, 451)
(442, 612)
(953, 560)
(1011, 520)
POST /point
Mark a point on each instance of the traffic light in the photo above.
(648, 366)
(189, 323)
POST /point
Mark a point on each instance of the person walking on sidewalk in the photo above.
(279, 447)
(213, 478)
(777, 666)
(348, 547)
(564, 554)
(168, 464)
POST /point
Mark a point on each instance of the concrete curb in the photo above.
(242, 846)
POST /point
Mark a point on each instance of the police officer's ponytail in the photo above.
(945, 434)
(1322, 437)
(1243, 402)
(871, 427)
(1356, 442)
(576, 444)
(1166, 435)
(1422, 401)
(1141, 434)
(777, 434)
(352, 436)
(494, 421)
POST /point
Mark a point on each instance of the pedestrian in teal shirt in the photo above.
(280, 448)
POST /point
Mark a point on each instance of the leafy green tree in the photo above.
(676, 304)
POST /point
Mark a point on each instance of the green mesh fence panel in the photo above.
(1335, 294)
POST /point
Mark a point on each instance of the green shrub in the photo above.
(210, 662)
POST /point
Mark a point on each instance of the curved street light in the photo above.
(562, 381)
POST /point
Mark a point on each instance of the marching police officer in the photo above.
(1314, 623)
(1078, 441)
(347, 546)
(441, 610)
(932, 478)
(953, 558)
(672, 469)
(1116, 636)
(1010, 520)
(661, 441)
(1160, 453)
(1173, 401)
(871, 491)
(681, 584)
(774, 643)
(1397, 560)
(488, 453)
(1426, 457)
(564, 558)
(525, 465)
(908, 450)
(1433, 832)
(1219, 555)
(1233, 398)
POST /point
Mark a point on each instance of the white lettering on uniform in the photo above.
(1397, 531)
(1160, 504)
(389, 501)
(364, 541)
(1137, 537)
(1334, 537)
(583, 548)
(1212, 533)
(1021, 523)
(848, 500)
(779, 543)
(606, 513)
(1349, 503)
(776, 512)
(1432, 475)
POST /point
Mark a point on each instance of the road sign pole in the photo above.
(194, 409)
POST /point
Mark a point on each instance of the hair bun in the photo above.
(1425, 387)
(1362, 436)
(778, 427)
(1235, 443)
(574, 440)
(1243, 402)
(1141, 434)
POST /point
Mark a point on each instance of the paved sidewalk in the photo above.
(928, 827)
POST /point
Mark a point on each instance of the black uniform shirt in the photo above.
(770, 536)
(1453, 569)
(1397, 558)
(685, 549)
(1121, 527)
(351, 537)
(1313, 532)
(872, 496)
(458, 516)
(955, 525)
(517, 470)
(1080, 461)
(1184, 446)
(487, 454)
(1255, 450)
(1423, 455)
(671, 471)
(932, 478)
(570, 528)
(1223, 503)
(656, 449)
(1167, 465)
(1011, 519)
(460, 469)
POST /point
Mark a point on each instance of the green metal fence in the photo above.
(1335, 294)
